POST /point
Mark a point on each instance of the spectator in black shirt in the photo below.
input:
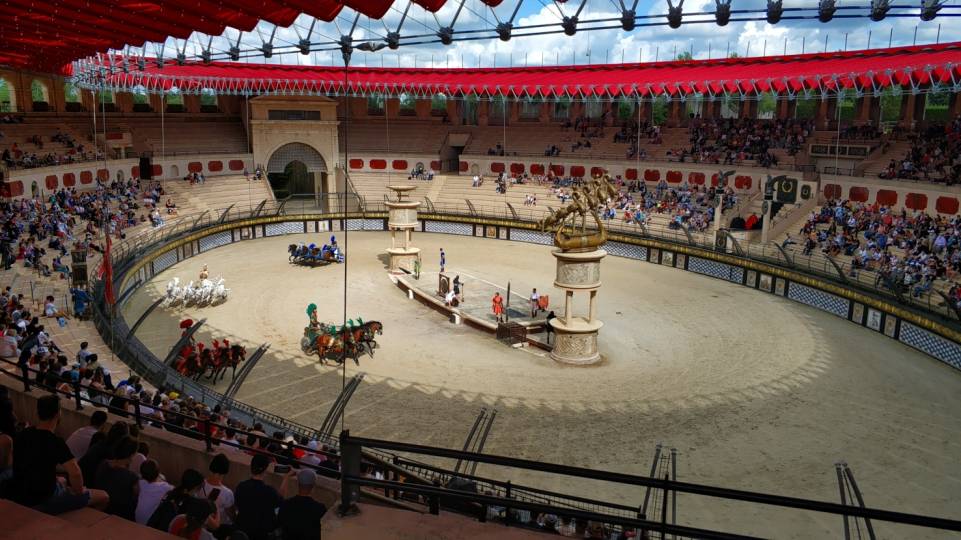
(300, 515)
(257, 501)
(115, 477)
(37, 453)
(100, 450)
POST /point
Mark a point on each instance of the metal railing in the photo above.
(352, 449)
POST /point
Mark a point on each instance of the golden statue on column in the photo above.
(579, 269)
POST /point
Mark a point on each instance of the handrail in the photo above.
(787, 258)
(225, 213)
(260, 208)
(838, 268)
(349, 443)
(283, 203)
(511, 208)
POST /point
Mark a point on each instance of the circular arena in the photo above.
(431, 269)
(775, 390)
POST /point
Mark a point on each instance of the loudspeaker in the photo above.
(79, 275)
(146, 169)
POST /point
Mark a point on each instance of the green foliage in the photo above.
(766, 105)
(936, 106)
(659, 110)
(208, 97)
(38, 92)
(891, 104)
(71, 93)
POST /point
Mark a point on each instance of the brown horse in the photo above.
(364, 335)
(227, 357)
(337, 347)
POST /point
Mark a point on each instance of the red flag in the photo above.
(108, 274)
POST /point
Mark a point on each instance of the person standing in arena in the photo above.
(443, 260)
(497, 305)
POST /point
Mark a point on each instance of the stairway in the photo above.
(217, 193)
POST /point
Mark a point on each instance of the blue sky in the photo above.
(752, 38)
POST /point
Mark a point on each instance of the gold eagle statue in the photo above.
(570, 223)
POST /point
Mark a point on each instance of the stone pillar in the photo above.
(909, 106)
(674, 118)
(864, 112)
(822, 115)
(402, 217)
(545, 109)
(576, 337)
(782, 109)
(483, 113)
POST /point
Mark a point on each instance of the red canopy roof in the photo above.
(861, 70)
(47, 34)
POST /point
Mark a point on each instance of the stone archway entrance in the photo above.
(298, 170)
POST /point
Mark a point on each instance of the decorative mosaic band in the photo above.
(214, 241)
(463, 229)
(819, 299)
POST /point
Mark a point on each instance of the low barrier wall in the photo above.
(937, 338)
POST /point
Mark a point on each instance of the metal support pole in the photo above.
(837, 467)
(349, 466)
(76, 395)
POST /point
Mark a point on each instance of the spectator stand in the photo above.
(377, 464)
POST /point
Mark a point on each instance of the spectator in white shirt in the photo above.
(219, 468)
(153, 488)
(83, 353)
(79, 440)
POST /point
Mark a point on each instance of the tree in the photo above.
(686, 55)
(733, 55)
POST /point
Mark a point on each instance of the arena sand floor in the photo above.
(756, 392)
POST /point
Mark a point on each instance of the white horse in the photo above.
(174, 293)
(220, 291)
(203, 293)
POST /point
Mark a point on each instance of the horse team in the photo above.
(340, 343)
(197, 360)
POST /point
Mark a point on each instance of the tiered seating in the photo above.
(878, 161)
(485, 199)
(217, 193)
(46, 127)
(184, 136)
(533, 139)
(406, 136)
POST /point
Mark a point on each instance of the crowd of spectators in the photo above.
(909, 252)
(113, 470)
(39, 232)
(16, 157)
(935, 155)
(732, 141)
(687, 205)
